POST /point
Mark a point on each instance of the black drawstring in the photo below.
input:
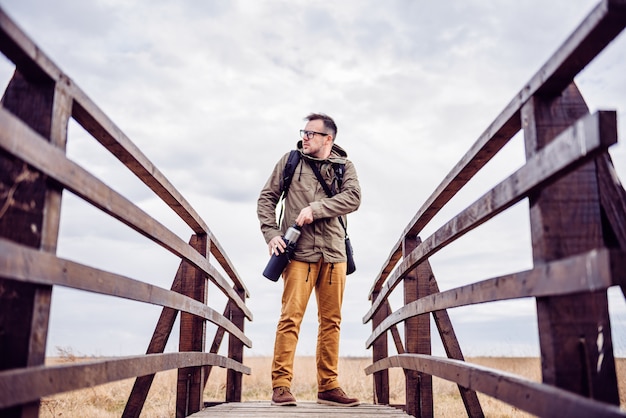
(308, 272)
(330, 279)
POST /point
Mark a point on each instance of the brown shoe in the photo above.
(336, 397)
(282, 396)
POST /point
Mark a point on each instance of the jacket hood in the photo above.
(337, 154)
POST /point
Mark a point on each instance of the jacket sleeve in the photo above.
(268, 199)
(346, 201)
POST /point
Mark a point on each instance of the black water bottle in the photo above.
(277, 263)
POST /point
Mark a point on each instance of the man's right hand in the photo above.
(276, 245)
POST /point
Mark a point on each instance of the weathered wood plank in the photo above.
(102, 128)
(566, 219)
(61, 109)
(27, 384)
(36, 65)
(588, 272)
(192, 336)
(308, 409)
(380, 350)
(579, 143)
(29, 214)
(160, 336)
(535, 398)
(24, 53)
(31, 266)
(613, 201)
(596, 31)
(79, 181)
(395, 334)
(28, 58)
(419, 386)
(235, 351)
(98, 124)
(449, 341)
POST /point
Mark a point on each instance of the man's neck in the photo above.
(323, 153)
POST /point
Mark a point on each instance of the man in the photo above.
(319, 261)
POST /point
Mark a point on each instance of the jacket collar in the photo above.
(337, 154)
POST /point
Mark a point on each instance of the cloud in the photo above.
(214, 93)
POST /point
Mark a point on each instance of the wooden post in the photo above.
(380, 351)
(192, 336)
(29, 214)
(613, 201)
(575, 330)
(161, 334)
(452, 348)
(419, 386)
(235, 352)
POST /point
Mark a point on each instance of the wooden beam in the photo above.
(31, 266)
(235, 351)
(395, 334)
(613, 201)
(79, 181)
(418, 386)
(30, 61)
(536, 398)
(160, 336)
(581, 142)
(29, 214)
(380, 350)
(19, 386)
(192, 337)
(574, 330)
(35, 65)
(597, 30)
(448, 339)
(588, 272)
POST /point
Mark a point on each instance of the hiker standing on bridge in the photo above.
(319, 261)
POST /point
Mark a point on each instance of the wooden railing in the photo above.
(36, 108)
(578, 231)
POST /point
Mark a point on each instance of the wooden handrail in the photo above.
(581, 142)
(29, 384)
(540, 400)
(589, 272)
(596, 31)
(34, 63)
(32, 149)
(31, 266)
(578, 248)
(33, 140)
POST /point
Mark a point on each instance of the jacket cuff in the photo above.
(271, 234)
(317, 210)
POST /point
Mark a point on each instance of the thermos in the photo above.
(277, 263)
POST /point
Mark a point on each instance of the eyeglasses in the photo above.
(310, 134)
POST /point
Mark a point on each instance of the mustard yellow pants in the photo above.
(299, 280)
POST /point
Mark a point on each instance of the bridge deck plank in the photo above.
(264, 409)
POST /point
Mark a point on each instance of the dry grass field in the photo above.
(108, 400)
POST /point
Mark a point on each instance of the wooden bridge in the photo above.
(578, 229)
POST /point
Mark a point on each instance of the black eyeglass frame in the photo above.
(310, 134)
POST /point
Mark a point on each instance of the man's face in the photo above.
(314, 146)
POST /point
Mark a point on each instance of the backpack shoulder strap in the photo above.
(327, 190)
(339, 171)
(288, 171)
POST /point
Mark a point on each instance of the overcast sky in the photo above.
(214, 93)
